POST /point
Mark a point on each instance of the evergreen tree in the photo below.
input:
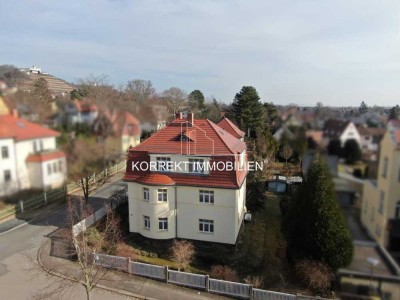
(363, 108)
(271, 115)
(196, 102)
(335, 147)
(41, 91)
(394, 113)
(314, 224)
(351, 151)
(248, 110)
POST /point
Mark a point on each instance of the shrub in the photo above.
(182, 253)
(224, 273)
(316, 275)
(255, 281)
(125, 250)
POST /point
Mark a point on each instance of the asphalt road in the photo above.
(18, 245)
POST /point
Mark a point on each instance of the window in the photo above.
(4, 152)
(206, 225)
(7, 175)
(146, 194)
(35, 149)
(146, 220)
(385, 165)
(163, 164)
(55, 167)
(162, 195)
(381, 202)
(196, 165)
(60, 166)
(206, 196)
(163, 223)
(49, 169)
(397, 210)
(41, 145)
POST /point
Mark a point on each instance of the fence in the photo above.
(235, 289)
(38, 201)
(52, 195)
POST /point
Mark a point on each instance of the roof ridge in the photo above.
(219, 135)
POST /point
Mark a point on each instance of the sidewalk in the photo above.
(122, 283)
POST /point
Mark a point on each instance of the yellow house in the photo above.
(4, 110)
(381, 198)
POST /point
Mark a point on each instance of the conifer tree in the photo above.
(248, 110)
(315, 226)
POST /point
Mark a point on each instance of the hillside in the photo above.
(57, 86)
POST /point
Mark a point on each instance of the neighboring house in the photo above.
(153, 117)
(81, 111)
(125, 131)
(315, 135)
(283, 130)
(28, 156)
(341, 130)
(369, 141)
(179, 197)
(381, 197)
(228, 126)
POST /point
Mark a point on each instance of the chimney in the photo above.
(190, 118)
(178, 115)
(15, 112)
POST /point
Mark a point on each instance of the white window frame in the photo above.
(194, 165)
(206, 197)
(163, 194)
(146, 222)
(163, 224)
(146, 194)
(206, 226)
(163, 163)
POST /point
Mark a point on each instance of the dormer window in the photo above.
(163, 164)
(196, 165)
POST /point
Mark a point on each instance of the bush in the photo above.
(224, 273)
(316, 275)
(255, 281)
(125, 250)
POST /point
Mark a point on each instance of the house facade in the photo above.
(381, 197)
(173, 193)
(81, 112)
(29, 157)
(341, 130)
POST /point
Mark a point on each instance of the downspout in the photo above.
(176, 212)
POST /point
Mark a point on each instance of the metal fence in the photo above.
(270, 295)
(147, 270)
(230, 288)
(35, 202)
(188, 279)
(235, 289)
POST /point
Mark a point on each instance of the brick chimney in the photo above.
(178, 115)
(190, 118)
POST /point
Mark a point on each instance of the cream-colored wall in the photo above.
(8, 164)
(372, 219)
(227, 212)
(127, 141)
(23, 149)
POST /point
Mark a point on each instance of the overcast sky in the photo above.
(339, 52)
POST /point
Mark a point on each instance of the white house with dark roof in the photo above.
(341, 130)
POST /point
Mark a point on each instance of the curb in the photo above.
(28, 222)
(100, 286)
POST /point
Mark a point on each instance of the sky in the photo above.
(338, 52)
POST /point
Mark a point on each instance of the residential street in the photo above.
(19, 246)
(18, 253)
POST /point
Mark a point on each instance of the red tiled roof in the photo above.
(20, 129)
(155, 179)
(207, 139)
(123, 123)
(227, 125)
(85, 106)
(41, 157)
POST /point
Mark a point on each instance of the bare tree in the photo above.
(224, 273)
(255, 281)
(175, 98)
(139, 90)
(286, 152)
(83, 244)
(182, 253)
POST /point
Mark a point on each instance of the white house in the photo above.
(177, 195)
(82, 112)
(341, 130)
(29, 157)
